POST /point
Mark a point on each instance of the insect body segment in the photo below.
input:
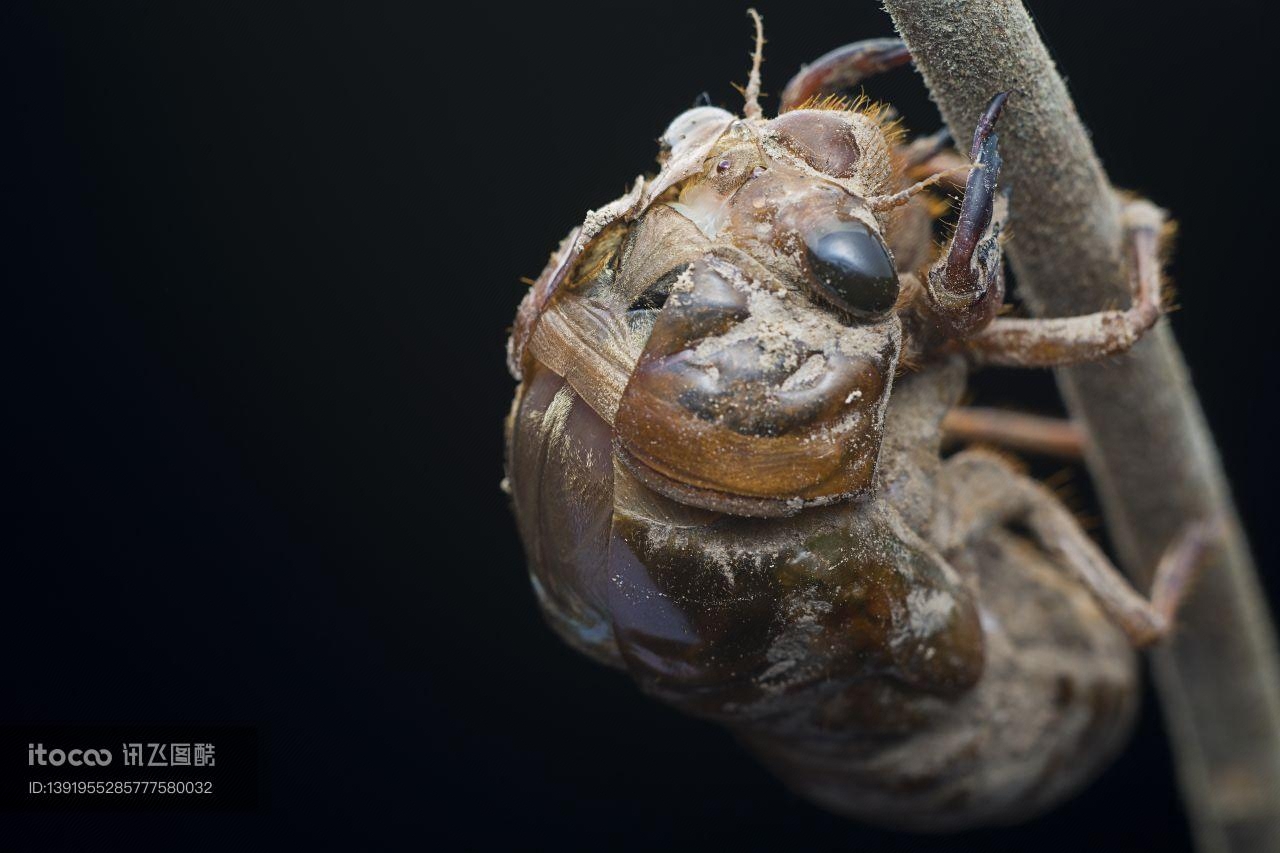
(727, 485)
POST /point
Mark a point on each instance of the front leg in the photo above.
(1059, 341)
(965, 287)
(843, 68)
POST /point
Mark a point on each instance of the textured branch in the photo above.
(1149, 449)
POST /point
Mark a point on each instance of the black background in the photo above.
(264, 257)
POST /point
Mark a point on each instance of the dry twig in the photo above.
(1150, 452)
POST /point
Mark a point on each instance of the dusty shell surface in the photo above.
(694, 417)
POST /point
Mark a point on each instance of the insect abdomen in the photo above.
(1054, 705)
(560, 474)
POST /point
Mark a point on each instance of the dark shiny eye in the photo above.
(853, 269)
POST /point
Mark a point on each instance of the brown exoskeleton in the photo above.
(728, 485)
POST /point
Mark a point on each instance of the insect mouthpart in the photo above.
(750, 400)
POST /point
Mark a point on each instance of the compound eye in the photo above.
(852, 269)
(821, 138)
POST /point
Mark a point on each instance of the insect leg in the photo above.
(966, 285)
(981, 491)
(1015, 430)
(844, 68)
(1053, 342)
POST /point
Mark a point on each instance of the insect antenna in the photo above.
(751, 109)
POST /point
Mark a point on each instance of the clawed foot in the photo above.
(966, 285)
(1178, 567)
(1144, 225)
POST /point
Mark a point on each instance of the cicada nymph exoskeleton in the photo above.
(728, 486)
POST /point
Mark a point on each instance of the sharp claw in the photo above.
(978, 205)
(987, 122)
(966, 293)
(979, 191)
